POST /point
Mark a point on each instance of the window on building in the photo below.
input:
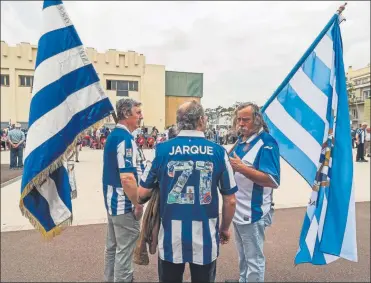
(366, 94)
(122, 93)
(26, 81)
(4, 80)
(355, 113)
(122, 87)
(133, 86)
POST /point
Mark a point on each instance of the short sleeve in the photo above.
(125, 156)
(269, 162)
(227, 183)
(149, 177)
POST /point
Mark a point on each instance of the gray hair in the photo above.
(124, 107)
(187, 118)
(257, 116)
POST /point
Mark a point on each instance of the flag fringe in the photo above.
(40, 178)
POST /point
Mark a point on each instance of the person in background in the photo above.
(190, 170)
(4, 139)
(16, 139)
(122, 168)
(360, 140)
(367, 143)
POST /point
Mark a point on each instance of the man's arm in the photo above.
(129, 184)
(22, 140)
(144, 195)
(256, 176)
(228, 210)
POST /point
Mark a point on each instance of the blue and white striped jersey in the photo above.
(121, 155)
(254, 201)
(189, 169)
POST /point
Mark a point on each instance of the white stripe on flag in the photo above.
(55, 120)
(176, 241)
(312, 235)
(294, 131)
(309, 93)
(349, 246)
(322, 216)
(324, 50)
(52, 19)
(214, 246)
(53, 68)
(59, 212)
(198, 240)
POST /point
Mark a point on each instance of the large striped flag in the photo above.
(308, 116)
(67, 98)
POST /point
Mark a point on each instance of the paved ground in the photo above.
(7, 174)
(77, 255)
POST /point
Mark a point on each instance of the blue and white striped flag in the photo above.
(67, 98)
(308, 116)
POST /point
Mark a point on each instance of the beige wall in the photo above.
(153, 96)
(114, 65)
(172, 104)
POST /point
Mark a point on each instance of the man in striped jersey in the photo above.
(255, 161)
(122, 168)
(360, 141)
(189, 169)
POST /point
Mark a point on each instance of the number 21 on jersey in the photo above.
(183, 194)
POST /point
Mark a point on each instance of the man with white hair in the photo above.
(122, 168)
(16, 139)
(360, 140)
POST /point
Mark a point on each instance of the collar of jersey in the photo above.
(191, 133)
(250, 139)
(122, 127)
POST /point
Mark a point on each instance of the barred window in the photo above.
(5, 80)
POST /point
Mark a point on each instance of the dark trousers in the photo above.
(173, 272)
(360, 152)
(16, 157)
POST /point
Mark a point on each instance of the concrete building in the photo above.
(359, 97)
(122, 74)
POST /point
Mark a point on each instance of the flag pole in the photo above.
(304, 57)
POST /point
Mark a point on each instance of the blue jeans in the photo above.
(16, 157)
(249, 242)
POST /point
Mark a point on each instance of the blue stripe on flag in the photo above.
(38, 205)
(55, 42)
(292, 154)
(318, 73)
(61, 89)
(302, 113)
(45, 154)
(303, 254)
(342, 164)
(51, 3)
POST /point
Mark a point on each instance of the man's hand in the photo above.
(14, 145)
(138, 212)
(236, 163)
(225, 235)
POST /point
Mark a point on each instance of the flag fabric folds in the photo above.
(308, 115)
(67, 98)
